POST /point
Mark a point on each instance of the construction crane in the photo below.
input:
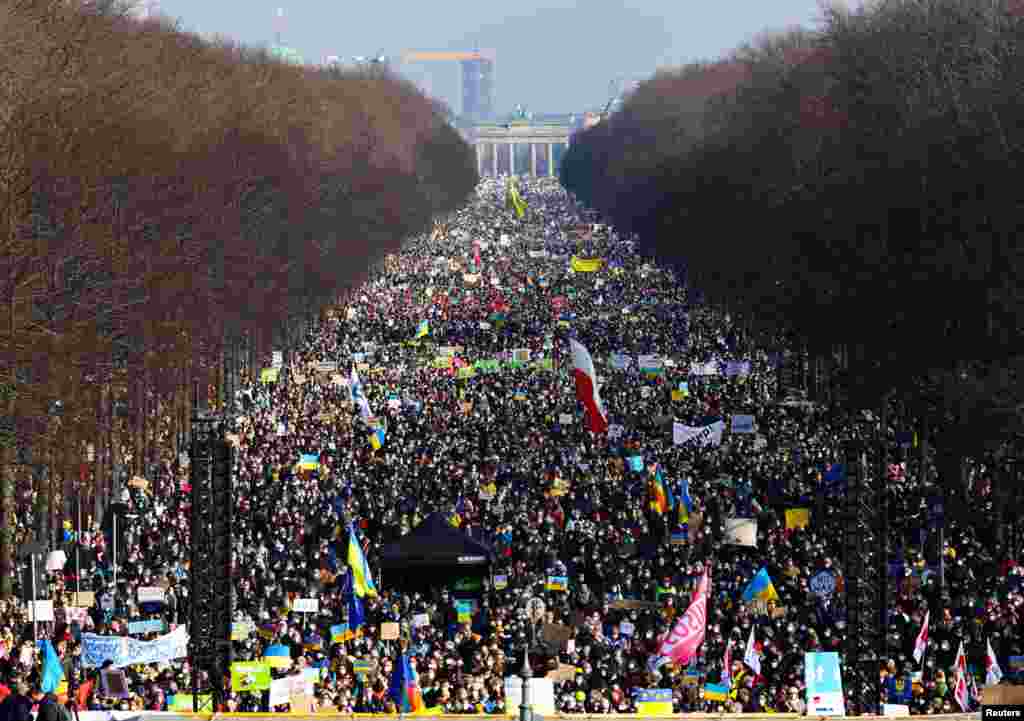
(477, 79)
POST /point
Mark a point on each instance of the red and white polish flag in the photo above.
(587, 390)
(922, 639)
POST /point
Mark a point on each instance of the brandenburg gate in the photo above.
(497, 148)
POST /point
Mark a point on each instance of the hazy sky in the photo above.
(552, 56)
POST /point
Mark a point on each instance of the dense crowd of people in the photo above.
(460, 347)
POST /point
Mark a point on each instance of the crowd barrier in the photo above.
(157, 716)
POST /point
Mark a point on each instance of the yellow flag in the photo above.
(797, 517)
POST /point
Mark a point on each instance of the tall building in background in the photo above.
(478, 90)
(477, 80)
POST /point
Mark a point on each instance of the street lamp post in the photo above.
(534, 611)
(525, 673)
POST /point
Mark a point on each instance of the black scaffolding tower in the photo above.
(211, 608)
(865, 568)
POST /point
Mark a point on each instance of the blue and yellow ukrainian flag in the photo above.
(278, 656)
(340, 633)
(53, 671)
(423, 329)
(362, 579)
(309, 461)
(356, 616)
(685, 503)
(716, 692)
(377, 438)
(761, 588)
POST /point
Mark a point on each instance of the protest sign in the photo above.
(741, 532)
(151, 594)
(40, 611)
(306, 605)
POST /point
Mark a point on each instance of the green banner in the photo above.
(250, 676)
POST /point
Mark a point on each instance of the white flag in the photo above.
(752, 658)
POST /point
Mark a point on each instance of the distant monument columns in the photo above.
(500, 143)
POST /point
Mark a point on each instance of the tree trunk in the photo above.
(7, 519)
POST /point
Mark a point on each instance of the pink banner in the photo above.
(682, 643)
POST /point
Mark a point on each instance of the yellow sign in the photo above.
(798, 517)
(586, 265)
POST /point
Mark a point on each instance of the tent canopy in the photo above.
(435, 542)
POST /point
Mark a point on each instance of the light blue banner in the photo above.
(824, 684)
(124, 651)
(155, 625)
(821, 673)
(654, 695)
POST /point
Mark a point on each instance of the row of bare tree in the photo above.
(173, 208)
(853, 188)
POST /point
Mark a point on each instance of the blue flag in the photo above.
(53, 672)
(356, 613)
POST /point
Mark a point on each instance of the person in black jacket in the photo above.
(18, 705)
(50, 708)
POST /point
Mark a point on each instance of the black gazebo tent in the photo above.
(434, 553)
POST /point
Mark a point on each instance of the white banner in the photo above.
(704, 369)
(124, 651)
(741, 532)
(280, 691)
(542, 694)
(697, 435)
(277, 359)
(151, 594)
(649, 362)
